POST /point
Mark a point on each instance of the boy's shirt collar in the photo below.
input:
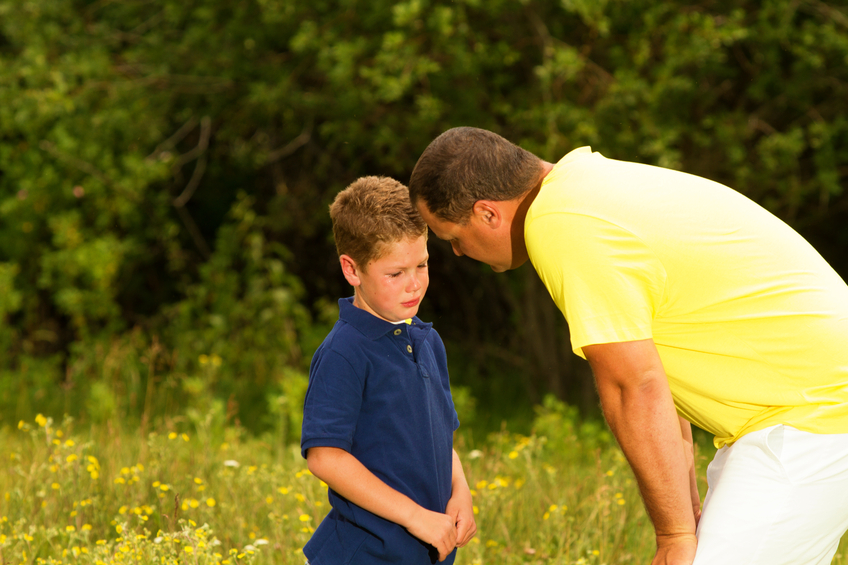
(370, 325)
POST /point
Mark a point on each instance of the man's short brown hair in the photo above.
(464, 165)
(370, 213)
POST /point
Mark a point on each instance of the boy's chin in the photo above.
(410, 312)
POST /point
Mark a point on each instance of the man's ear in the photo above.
(350, 270)
(488, 212)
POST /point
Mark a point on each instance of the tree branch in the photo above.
(202, 144)
(174, 139)
(200, 153)
(194, 231)
(291, 146)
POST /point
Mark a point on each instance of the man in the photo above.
(691, 304)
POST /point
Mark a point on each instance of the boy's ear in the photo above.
(350, 270)
(488, 212)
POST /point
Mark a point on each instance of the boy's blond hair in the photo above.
(370, 213)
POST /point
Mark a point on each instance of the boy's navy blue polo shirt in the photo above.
(380, 391)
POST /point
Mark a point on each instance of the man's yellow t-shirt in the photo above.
(751, 323)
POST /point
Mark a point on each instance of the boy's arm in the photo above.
(351, 479)
(460, 506)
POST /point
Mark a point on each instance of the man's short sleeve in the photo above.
(332, 404)
(606, 281)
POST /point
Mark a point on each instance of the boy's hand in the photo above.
(436, 529)
(461, 509)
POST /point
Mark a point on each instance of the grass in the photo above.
(102, 495)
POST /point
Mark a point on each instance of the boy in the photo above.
(378, 415)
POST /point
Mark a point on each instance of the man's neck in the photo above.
(519, 248)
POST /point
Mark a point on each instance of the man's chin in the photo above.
(502, 269)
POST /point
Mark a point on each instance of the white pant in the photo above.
(777, 496)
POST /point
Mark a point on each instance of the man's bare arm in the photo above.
(689, 450)
(637, 403)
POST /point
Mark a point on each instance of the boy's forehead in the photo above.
(386, 248)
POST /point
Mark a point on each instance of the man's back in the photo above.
(750, 322)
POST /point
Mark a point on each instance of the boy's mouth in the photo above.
(411, 303)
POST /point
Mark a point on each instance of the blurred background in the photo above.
(166, 168)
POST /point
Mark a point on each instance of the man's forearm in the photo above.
(689, 454)
(646, 427)
(638, 406)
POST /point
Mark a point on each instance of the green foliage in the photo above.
(241, 319)
(165, 167)
(564, 428)
(107, 495)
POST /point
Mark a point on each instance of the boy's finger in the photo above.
(460, 533)
(444, 552)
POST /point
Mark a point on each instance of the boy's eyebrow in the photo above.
(401, 267)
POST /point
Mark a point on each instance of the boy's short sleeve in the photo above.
(332, 404)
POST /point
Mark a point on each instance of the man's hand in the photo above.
(439, 530)
(675, 550)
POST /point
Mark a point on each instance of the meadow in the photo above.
(97, 495)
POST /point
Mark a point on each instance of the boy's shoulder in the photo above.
(354, 323)
(357, 332)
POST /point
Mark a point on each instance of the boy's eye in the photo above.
(393, 275)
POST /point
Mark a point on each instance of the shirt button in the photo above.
(397, 331)
(409, 348)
